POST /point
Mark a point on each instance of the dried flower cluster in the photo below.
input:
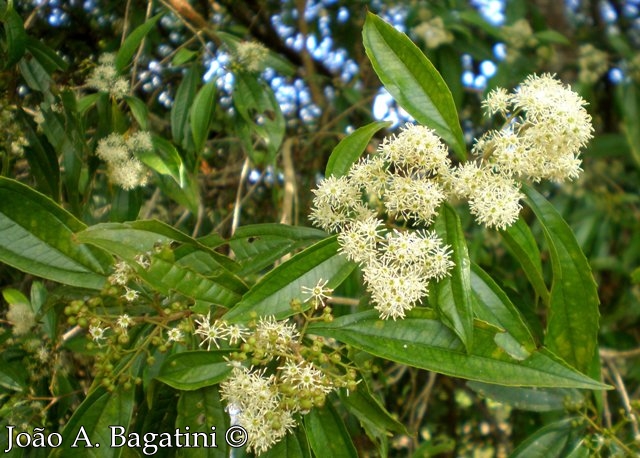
(105, 78)
(411, 175)
(122, 166)
(251, 56)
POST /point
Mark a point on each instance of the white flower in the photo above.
(97, 333)
(497, 202)
(434, 33)
(174, 335)
(318, 293)
(124, 321)
(275, 337)
(128, 174)
(130, 294)
(210, 333)
(251, 55)
(105, 78)
(21, 318)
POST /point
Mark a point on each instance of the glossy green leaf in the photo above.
(201, 410)
(12, 376)
(533, 399)
(452, 294)
(257, 105)
(97, 413)
(493, 306)
(16, 37)
(37, 237)
(351, 148)
(548, 442)
(35, 75)
(257, 246)
(523, 247)
(327, 433)
(273, 293)
(572, 324)
(132, 42)
(193, 370)
(413, 81)
(420, 340)
(629, 101)
(202, 113)
(180, 131)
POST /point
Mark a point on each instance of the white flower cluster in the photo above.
(21, 317)
(408, 179)
(433, 32)
(265, 404)
(105, 78)
(123, 168)
(411, 176)
(546, 127)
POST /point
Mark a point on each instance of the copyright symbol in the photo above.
(236, 436)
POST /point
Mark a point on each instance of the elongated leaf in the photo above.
(15, 36)
(91, 422)
(131, 43)
(453, 293)
(259, 245)
(166, 275)
(548, 442)
(46, 56)
(572, 325)
(327, 433)
(201, 410)
(373, 417)
(523, 247)
(413, 81)
(36, 236)
(182, 104)
(293, 445)
(257, 105)
(493, 306)
(138, 110)
(533, 399)
(193, 370)
(202, 113)
(164, 159)
(273, 293)
(421, 341)
(629, 100)
(351, 148)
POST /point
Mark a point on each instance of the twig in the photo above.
(238, 205)
(624, 397)
(288, 215)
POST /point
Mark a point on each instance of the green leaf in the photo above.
(193, 370)
(259, 245)
(493, 306)
(413, 81)
(453, 293)
(36, 237)
(351, 148)
(420, 340)
(327, 433)
(182, 104)
(131, 43)
(629, 101)
(127, 240)
(164, 159)
(138, 110)
(96, 414)
(548, 442)
(552, 37)
(202, 113)
(293, 445)
(46, 56)
(201, 410)
(373, 417)
(16, 37)
(12, 376)
(523, 247)
(533, 399)
(273, 293)
(257, 105)
(572, 324)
